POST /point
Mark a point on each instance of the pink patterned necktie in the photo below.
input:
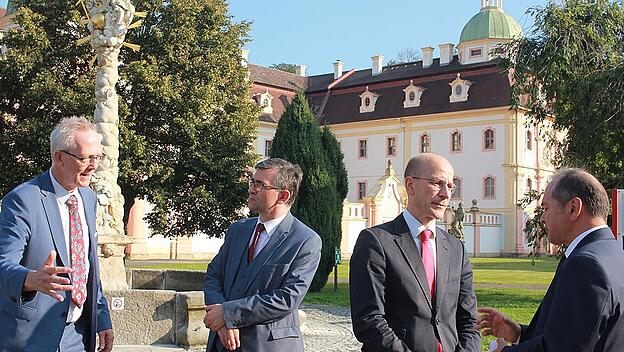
(427, 258)
(77, 254)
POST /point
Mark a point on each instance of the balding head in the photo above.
(424, 163)
(571, 183)
(428, 183)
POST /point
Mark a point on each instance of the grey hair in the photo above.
(63, 135)
(570, 183)
(288, 175)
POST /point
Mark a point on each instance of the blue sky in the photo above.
(318, 32)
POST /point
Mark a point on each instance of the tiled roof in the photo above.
(277, 78)
(490, 88)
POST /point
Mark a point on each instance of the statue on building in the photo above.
(457, 225)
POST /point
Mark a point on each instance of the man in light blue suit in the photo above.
(255, 284)
(50, 292)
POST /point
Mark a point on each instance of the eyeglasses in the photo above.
(88, 159)
(258, 186)
(437, 184)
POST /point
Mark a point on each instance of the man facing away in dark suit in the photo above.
(583, 309)
(50, 292)
(410, 281)
(255, 284)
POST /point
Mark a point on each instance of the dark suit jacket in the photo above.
(30, 227)
(391, 307)
(262, 299)
(583, 309)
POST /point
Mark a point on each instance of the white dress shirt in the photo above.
(415, 229)
(579, 238)
(62, 195)
(269, 228)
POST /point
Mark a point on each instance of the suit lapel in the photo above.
(53, 216)
(408, 248)
(266, 253)
(237, 257)
(442, 263)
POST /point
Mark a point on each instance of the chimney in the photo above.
(301, 70)
(338, 65)
(244, 57)
(377, 64)
(446, 53)
(427, 56)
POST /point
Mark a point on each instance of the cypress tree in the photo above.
(298, 140)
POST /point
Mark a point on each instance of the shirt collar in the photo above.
(271, 225)
(579, 238)
(415, 226)
(62, 194)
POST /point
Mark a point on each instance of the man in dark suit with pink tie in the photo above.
(410, 281)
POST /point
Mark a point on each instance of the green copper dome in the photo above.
(490, 23)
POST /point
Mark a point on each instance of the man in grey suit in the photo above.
(410, 281)
(583, 309)
(255, 284)
(50, 293)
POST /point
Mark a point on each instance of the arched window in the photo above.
(425, 143)
(529, 140)
(488, 139)
(456, 141)
(457, 193)
(489, 188)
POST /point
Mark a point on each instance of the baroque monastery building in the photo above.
(457, 105)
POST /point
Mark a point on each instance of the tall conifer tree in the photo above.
(298, 140)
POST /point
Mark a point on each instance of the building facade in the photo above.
(457, 105)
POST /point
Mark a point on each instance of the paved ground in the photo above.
(329, 329)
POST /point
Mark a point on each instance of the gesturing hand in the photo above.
(45, 279)
(230, 338)
(493, 322)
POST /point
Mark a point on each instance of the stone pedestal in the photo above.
(112, 268)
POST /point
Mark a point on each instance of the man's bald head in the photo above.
(423, 163)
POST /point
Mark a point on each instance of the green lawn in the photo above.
(512, 285)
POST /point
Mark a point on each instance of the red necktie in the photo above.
(77, 254)
(427, 258)
(254, 242)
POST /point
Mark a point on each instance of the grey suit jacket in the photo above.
(30, 227)
(583, 309)
(262, 299)
(391, 306)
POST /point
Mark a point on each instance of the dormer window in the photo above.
(368, 100)
(412, 95)
(265, 100)
(459, 89)
(477, 52)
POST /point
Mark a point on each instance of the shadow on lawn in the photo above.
(541, 265)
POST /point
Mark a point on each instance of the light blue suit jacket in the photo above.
(262, 299)
(30, 227)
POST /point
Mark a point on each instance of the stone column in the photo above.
(109, 21)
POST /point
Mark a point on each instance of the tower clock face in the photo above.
(458, 89)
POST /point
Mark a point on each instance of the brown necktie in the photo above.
(254, 242)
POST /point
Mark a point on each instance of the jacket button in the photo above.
(437, 321)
